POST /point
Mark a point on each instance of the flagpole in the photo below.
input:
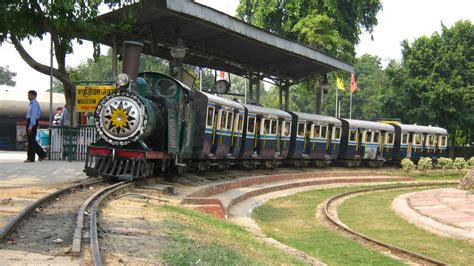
(350, 107)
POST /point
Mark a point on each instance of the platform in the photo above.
(445, 211)
(16, 173)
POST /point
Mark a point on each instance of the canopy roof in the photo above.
(219, 41)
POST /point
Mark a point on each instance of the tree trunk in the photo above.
(60, 74)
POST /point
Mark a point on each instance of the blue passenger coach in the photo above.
(315, 139)
(366, 141)
(414, 142)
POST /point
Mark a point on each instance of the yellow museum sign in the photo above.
(87, 97)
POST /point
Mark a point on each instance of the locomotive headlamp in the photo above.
(122, 80)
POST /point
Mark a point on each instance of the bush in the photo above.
(445, 163)
(471, 162)
(407, 165)
(459, 163)
(425, 164)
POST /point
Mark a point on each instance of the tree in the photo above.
(434, 82)
(65, 21)
(6, 77)
(332, 26)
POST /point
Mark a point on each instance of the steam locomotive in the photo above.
(153, 123)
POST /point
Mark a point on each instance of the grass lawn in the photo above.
(371, 214)
(291, 220)
(189, 236)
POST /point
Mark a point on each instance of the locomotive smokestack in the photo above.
(131, 59)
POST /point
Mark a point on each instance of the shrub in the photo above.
(425, 164)
(459, 163)
(407, 165)
(445, 162)
(471, 162)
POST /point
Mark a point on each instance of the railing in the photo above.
(70, 143)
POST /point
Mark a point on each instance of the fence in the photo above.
(70, 143)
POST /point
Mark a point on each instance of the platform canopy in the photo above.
(218, 41)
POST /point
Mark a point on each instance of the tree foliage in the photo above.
(434, 82)
(6, 77)
(65, 21)
(332, 26)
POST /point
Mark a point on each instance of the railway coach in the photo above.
(315, 139)
(366, 141)
(415, 141)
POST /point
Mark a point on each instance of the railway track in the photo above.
(329, 209)
(31, 208)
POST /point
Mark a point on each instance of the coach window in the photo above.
(301, 129)
(240, 122)
(443, 142)
(337, 133)
(286, 128)
(389, 138)
(418, 139)
(251, 124)
(317, 131)
(404, 138)
(210, 116)
(221, 118)
(313, 131)
(376, 137)
(230, 118)
(353, 135)
(368, 137)
(274, 126)
(324, 132)
(266, 126)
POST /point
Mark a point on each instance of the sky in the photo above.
(399, 20)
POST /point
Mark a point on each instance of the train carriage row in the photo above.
(162, 125)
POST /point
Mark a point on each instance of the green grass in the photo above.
(371, 214)
(291, 220)
(190, 236)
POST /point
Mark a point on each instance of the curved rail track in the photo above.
(26, 212)
(415, 257)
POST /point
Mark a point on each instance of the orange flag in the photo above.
(353, 83)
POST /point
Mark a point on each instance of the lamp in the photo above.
(178, 51)
(325, 84)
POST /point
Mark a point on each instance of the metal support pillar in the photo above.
(287, 97)
(319, 99)
(114, 58)
(280, 98)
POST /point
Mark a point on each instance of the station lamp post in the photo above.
(178, 52)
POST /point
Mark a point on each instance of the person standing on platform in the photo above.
(32, 123)
(64, 116)
(57, 116)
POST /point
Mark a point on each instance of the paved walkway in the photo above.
(446, 211)
(15, 173)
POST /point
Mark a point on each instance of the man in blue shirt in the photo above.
(32, 122)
